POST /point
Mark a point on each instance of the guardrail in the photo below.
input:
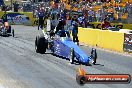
(103, 38)
(112, 40)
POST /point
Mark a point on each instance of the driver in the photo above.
(60, 29)
(60, 25)
(63, 33)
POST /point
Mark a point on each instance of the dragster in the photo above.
(63, 46)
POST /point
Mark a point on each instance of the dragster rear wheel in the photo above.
(40, 44)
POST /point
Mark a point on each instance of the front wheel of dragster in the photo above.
(71, 55)
(93, 56)
(40, 44)
(13, 34)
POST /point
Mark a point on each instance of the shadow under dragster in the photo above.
(64, 47)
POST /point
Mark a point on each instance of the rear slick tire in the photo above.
(40, 44)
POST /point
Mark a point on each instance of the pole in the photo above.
(11, 4)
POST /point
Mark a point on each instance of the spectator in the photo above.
(56, 1)
(112, 17)
(75, 32)
(105, 24)
(4, 7)
(81, 20)
(90, 15)
(85, 22)
(118, 16)
(16, 6)
(88, 24)
(4, 18)
(41, 19)
(97, 16)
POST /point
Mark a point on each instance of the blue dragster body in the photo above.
(62, 47)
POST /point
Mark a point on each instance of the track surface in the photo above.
(22, 67)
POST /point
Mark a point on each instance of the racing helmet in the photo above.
(61, 22)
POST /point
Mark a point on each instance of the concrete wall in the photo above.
(103, 38)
